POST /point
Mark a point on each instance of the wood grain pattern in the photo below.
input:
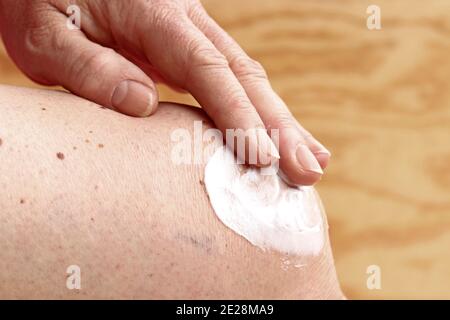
(380, 100)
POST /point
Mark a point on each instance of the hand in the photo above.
(124, 46)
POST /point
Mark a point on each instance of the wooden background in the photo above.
(380, 101)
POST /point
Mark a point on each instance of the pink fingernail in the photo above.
(133, 98)
(307, 159)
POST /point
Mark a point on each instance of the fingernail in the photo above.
(307, 160)
(317, 148)
(133, 98)
(325, 152)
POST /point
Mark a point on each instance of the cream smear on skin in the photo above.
(263, 208)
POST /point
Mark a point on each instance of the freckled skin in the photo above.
(148, 215)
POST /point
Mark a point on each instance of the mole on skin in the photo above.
(60, 155)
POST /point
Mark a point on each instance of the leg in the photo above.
(82, 185)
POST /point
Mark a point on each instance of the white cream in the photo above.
(263, 208)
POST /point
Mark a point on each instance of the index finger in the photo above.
(302, 157)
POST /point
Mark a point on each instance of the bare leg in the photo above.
(85, 186)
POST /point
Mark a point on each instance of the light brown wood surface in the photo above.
(380, 101)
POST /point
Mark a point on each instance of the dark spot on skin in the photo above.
(205, 243)
(87, 141)
(92, 219)
(22, 201)
(201, 182)
(60, 155)
(90, 131)
(150, 275)
(101, 145)
(117, 266)
(1, 141)
(74, 148)
(96, 187)
(43, 109)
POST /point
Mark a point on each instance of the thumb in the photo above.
(99, 74)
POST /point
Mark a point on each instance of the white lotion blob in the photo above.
(263, 208)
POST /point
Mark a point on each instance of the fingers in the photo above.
(302, 156)
(91, 71)
(188, 59)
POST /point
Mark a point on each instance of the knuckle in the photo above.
(96, 61)
(89, 66)
(239, 104)
(238, 107)
(35, 48)
(40, 32)
(163, 13)
(246, 67)
(194, 8)
(34, 38)
(233, 109)
(197, 13)
(200, 57)
(283, 120)
(205, 56)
